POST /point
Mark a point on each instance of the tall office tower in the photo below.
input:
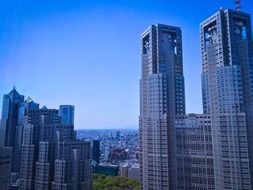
(67, 114)
(23, 111)
(194, 152)
(161, 99)
(39, 126)
(95, 146)
(227, 90)
(28, 157)
(73, 166)
(45, 166)
(65, 133)
(9, 119)
(35, 133)
(5, 167)
(48, 153)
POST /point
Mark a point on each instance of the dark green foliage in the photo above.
(103, 182)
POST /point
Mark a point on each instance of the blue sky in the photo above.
(87, 53)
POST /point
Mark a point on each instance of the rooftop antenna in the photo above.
(238, 5)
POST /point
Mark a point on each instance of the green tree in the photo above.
(102, 182)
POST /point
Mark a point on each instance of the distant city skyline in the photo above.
(86, 53)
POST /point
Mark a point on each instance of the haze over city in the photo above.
(87, 53)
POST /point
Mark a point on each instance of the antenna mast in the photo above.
(238, 5)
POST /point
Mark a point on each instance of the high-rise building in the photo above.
(9, 118)
(37, 134)
(67, 114)
(28, 157)
(23, 111)
(161, 99)
(227, 90)
(95, 151)
(37, 152)
(5, 167)
(215, 149)
(73, 166)
(195, 168)
(45, 166)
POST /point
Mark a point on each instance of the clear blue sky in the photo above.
(87, 53)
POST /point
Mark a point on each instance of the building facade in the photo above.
(5, 167)
(227, 91)
(41, 140)
(23, 111)
(73, 166)
(40, 126)
(213, 150)
(95, 151)
(44, 167)
(134, 172)
(9, 118)
(161, 99)
(67, 114)
(9, 123)
(195, 169)
(51, 157)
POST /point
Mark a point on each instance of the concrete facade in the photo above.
(194, 152)
(161, 99)
(213, 150)
(5, 167)
(227, 88)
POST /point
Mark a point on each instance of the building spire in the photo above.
(13, 90)
(238, 5)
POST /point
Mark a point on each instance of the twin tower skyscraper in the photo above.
(213, 150)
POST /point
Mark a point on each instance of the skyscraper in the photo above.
(161, 99)
(5, 167)
(67, 114)
(227, 90)
(45, 166)
(9, 119)
(73, 166)
(39, 132)
(95, 146)
(195, 168)
(23, 111)
(34, 136)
